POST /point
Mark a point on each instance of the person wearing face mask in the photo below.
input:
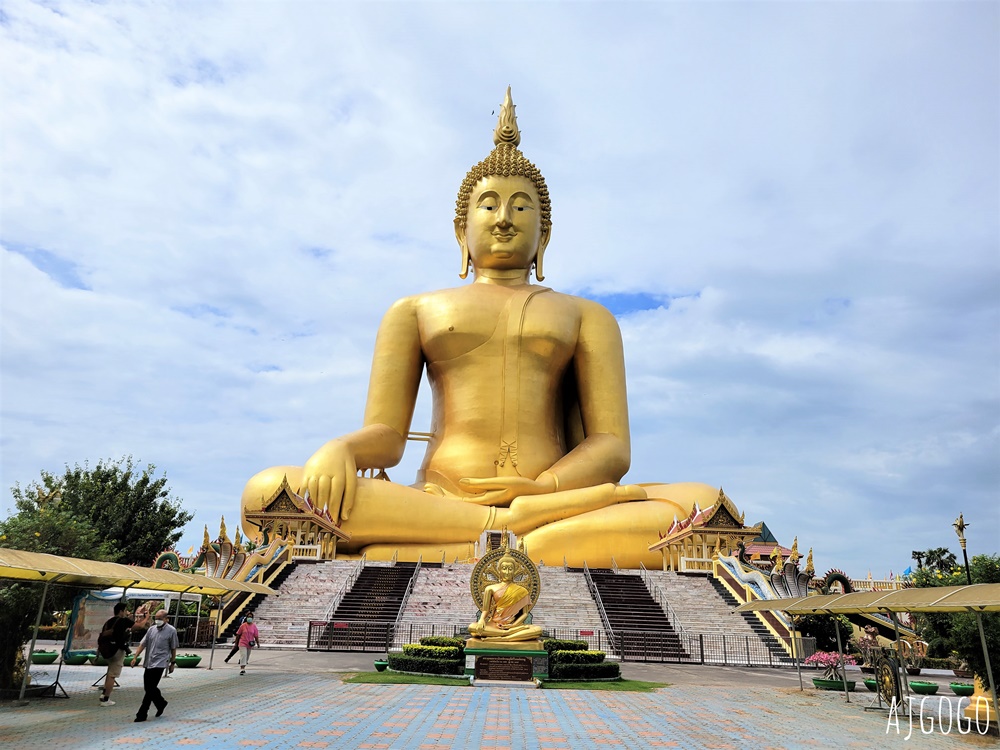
(236, 644)
(247, 637)
(160, 643)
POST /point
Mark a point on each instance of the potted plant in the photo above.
(76, 658)
(129, 658)
(914, 653)
(41, 656)
(382, 663)
(959, 666)
(871, 683)
(962, 689)
(833, 678)
(870, 649)
(187, 661)
(922, 687)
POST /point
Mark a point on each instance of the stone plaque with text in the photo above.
(511, 668)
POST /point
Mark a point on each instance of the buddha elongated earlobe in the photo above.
(538, 264)
(464, 271)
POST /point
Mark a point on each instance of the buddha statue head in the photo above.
(505, 174)
(507, 567)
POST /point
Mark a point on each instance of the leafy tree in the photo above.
(824, 629)
(40, 525)
(939, 558)
(131, 508)
(110, 512)
(957, 633)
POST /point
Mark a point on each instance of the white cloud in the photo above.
(243, 188)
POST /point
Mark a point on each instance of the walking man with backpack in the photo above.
(160, 643)
(112, 644)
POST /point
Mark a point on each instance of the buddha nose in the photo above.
(503, 216)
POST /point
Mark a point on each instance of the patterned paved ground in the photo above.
(272, 708)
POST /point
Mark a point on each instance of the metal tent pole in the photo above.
(901, 667)
(795, 653)
(840, 652)
(215, 633)
(989, 667)
(34, 638)
(197, 627)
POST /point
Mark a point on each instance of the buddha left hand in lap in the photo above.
(530, 420)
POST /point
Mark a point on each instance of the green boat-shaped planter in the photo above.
(127, 661)
(962, 689)
(44, 657)
(98, 661)
(188, 661)
(871, 685)
(76, 658)
(833, 684)
(923, 688)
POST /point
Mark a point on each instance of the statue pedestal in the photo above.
(507, 664)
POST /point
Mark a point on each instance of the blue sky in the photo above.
(791, 208)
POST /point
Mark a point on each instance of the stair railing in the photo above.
(596, 595)
(402, 603)
(352, 578)
(660, 597)
(614, 565)
(395, 557)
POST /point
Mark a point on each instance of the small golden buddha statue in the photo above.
(530, 423)
(505, 604)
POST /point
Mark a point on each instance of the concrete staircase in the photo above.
(306, 594)
(702, 609)
(566, 609)
(441, 596)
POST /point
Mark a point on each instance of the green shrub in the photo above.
(442, 640)
(576, 657)
(554, 644)
(52, 633)
(406, 663)
(931, 663)
(603, 670)
(432, 652)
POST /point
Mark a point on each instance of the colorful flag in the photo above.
(191, 551)
(908, 571)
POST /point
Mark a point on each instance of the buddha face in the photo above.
(506, 568)
(503, 226)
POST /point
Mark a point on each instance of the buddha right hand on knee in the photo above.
(330, 477)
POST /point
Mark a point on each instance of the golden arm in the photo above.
(331, 474)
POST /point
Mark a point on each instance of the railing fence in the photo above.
(629, 645)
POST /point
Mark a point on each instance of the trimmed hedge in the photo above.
(603, 670)
(576, 657)
(431, 652)
(554, 644)
(445, 641)
(52, 632)
(932, 663)
(406, 663)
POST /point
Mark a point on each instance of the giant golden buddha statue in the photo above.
(530, 425)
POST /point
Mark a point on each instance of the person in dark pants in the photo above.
(160, 644)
